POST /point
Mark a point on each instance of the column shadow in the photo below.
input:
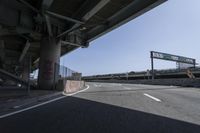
(77, 115)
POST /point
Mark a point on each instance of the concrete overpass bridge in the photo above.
(47, 29)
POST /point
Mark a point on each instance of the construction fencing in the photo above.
(61, 73)
(67, 73)
(68, 79)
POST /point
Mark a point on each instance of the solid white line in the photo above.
(127, 88)
(35, 106)
(16, 112)
(116, 84)
(154, 98)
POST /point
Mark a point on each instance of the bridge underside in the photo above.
(25, 24)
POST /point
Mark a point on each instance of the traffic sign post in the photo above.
(152, 66)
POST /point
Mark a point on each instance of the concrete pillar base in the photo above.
(49, 58)
(26, 71)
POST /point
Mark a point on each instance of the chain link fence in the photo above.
(67, 73)
(61, 73)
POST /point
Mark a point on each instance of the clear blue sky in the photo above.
(173, 27)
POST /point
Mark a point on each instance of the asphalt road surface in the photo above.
(113, 108)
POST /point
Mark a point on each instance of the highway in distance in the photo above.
(113, 108)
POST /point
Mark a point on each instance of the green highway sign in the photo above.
(170, 57)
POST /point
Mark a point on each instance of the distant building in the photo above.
(76, 76)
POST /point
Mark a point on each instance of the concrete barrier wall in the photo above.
(73, 86)
(70, 86)
(176, 82)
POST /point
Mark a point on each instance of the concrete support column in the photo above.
(49, 56)
(2, 55)
(26, 71)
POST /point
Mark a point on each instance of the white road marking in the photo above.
(22, 110)
(154, 98)
(116, 84)
(127, 88)
(15, 107)
(35, 106)
(97, 85)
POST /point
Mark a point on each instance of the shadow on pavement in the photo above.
(12, 94)
(76, 115)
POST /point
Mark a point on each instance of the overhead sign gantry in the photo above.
(169, 57)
